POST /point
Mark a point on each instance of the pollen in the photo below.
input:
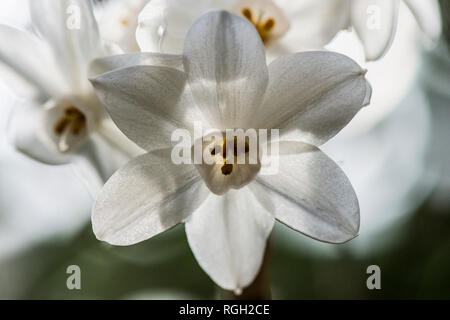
(264, 27)
(125, 22)
(72, 119)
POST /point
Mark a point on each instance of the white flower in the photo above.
(57, 202)
(226, 84)
(375, 22)
(118, 21)
(287, 26)
(59, 116)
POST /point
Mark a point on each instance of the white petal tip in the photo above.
(237, 292)
(351, 237)
(374, 57)
(93, 81)
(99, 235)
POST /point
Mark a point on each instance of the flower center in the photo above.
(72, 120)
(67, 123)
(230, 161)
(227, 167)
(269, 19)
(263, 25)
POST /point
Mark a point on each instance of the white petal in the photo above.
(73, 34)
(226, 68)
(228, 236)
(163, 24)
(375, 21)
(146, 197)
(311, 194)
(28, 136)
(384, 174)
(313, 24)
(103, 65)
(428, 16)
(148, 103)
(312, 95)
(28, 57)
(108, 130)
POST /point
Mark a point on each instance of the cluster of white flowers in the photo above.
(199, 61)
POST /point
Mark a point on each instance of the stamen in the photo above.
(264, 28)
(223, 171)
(263, 18)
(270, 23)
(227, 168)
(246, 12)
(72, 119)
(224, 149)
(124, 22)
(61, 125)
(78, 126)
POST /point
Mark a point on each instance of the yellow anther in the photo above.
(264, 27)
(246, 12)
(269, 24)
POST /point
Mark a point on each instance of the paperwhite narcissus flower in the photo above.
(226, 84)
(286, 26)
(375, 22)
(59, 114)
(118, 21)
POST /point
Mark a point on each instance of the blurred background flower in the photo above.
(395, 153)
(118, 21)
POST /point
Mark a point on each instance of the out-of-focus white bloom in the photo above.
(59, 117)
(37, 202)
(370, 150)
(118, 21)
(222, 80)
(287, 26)
(391, 77)
(375, 22)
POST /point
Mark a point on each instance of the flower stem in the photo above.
(260, 288)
